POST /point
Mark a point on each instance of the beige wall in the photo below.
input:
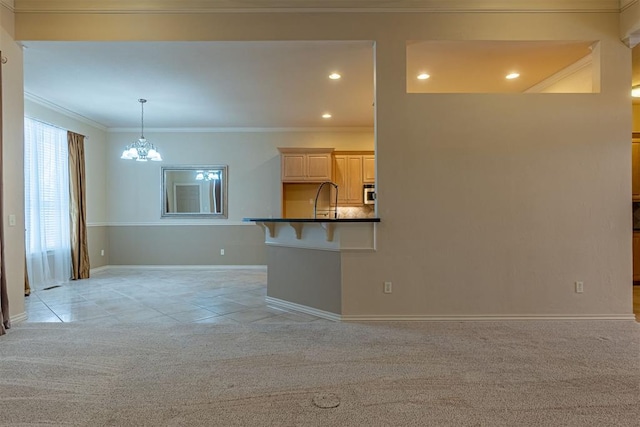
(490, 204)
(139, 236)
(521, 196)
(12, 135)
(98, 237)
(305, 276)
(187, 245)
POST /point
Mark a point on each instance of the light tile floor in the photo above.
(128, 295)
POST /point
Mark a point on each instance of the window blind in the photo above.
(46, 187)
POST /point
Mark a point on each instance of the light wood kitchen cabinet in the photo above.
(306, 164)
(369, 169)
(635, 171)
(349, 173)
(636, 256)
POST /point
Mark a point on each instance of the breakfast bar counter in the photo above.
(304, 260)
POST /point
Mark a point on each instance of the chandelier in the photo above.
(207, 175)
(141, 150)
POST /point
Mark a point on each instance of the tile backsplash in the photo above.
(366, 211)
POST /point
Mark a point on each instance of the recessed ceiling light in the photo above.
(334, 76)
(423, 76)
(326, 116)
(512, 76)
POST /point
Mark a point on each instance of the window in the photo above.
(46, 168)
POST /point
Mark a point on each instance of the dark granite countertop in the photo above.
(321, 220)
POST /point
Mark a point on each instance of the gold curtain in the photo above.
(78, 211)
(27, 287)
(5, 323)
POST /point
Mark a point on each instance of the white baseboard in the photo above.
(98, 269)
(303, 309)
(19, 318)
(441, 318)
(181, 267)
(457, 318)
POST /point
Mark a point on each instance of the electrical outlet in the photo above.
(12, 220)
(387, 287)
(579, 287)
(102, 252)
(221, 251)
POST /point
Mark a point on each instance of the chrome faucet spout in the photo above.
(315, 204)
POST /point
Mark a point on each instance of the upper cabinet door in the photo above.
(350, 172)
(635, 171)
(306, 165)
(355, 193)
(293, 167)
(319, 167)
(369, 169)
(340, 178)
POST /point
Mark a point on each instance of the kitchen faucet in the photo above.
(315, 204)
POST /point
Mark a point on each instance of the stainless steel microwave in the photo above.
(369, 194)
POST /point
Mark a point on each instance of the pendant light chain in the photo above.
(142, 101)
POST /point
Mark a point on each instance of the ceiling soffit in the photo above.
(199, 6)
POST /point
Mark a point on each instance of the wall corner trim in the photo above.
(19, 318)
(564, 73)
(278, 303)
(9, 4)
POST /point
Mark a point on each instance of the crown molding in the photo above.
(625, 4)
(9, 4)
(220, 6)
(242, 129)
(562, 74)
(55, 107)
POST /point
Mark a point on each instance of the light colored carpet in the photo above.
(542, 373)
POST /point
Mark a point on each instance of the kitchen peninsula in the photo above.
(304, 259)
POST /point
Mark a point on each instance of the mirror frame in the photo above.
(182, 168)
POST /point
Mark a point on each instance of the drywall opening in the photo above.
(483, 66)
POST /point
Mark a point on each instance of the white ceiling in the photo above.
(205, 84)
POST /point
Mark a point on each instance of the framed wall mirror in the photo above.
(194, 191)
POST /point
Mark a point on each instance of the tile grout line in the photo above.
(46, 305)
